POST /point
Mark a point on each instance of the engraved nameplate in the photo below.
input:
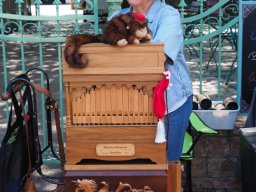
(115, 150)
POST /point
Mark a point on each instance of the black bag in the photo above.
(20, 151)
(13, 152)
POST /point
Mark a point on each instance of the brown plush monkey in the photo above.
(121, 30)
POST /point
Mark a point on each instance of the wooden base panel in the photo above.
(115, 167)
(156, 180)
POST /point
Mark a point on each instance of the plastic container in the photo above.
(218, 119)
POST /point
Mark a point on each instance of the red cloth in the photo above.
(159, 105)
(139, 17)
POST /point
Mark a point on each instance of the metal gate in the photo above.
(35, 40)
(211, 31)
(32, 36)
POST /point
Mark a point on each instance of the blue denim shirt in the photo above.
(165, 23)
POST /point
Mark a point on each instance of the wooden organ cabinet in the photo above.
(110, 125)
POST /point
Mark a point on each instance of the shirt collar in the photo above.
(151, 14)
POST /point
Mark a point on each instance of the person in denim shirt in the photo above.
(165, 23)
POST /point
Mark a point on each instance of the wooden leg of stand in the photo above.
(174, 176)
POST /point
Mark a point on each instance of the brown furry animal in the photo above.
(120, 30)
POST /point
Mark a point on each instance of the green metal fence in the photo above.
(34, 38)
(209, 26)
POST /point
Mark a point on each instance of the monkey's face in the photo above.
(138, 29)
(141, 32)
